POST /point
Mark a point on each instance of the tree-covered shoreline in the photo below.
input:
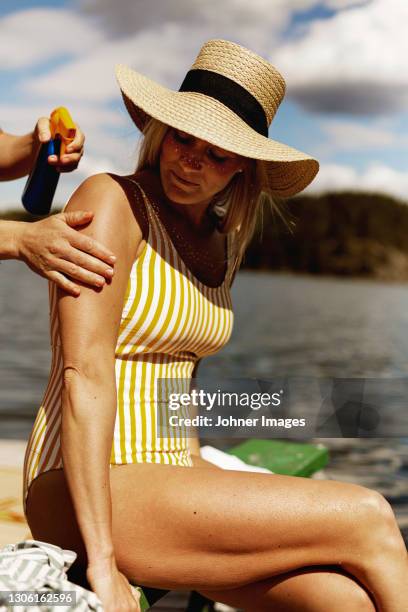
(340, 233)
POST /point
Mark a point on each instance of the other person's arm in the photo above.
(89, 328)
(53, 249)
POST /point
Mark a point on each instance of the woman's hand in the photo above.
(53, 249)
(112, 587)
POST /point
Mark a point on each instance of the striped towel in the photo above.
(41, 567)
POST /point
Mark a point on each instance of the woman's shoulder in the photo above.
(98, 190)
(106, 191)
(110, 201)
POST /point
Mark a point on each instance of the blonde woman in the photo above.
(144, 508)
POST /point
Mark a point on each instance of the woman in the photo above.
(255, 541)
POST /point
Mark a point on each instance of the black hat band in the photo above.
(229, 93)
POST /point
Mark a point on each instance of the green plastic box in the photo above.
(282, 456)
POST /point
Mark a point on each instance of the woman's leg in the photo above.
(306, 590)
(212, 530)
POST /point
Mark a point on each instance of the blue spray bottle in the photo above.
(41, 184)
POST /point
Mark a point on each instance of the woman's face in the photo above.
(192, 171)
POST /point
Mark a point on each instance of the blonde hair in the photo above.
(237, 207)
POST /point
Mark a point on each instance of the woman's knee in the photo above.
(380, 525)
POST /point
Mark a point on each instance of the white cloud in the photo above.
(163, 54)
(160, 39)
(376, 177)
(105, 152)
(354, 62)
(91, 164)
(330, 66)
(32, 36)
(345, 135)
(229, 18)
(344, 4)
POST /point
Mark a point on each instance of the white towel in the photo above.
(229, 462)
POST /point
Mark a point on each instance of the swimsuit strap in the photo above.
(151, 215)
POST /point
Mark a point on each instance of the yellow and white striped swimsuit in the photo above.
(169, 321)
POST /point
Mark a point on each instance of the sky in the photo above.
(344, 62)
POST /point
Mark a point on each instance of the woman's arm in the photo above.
(89, 327)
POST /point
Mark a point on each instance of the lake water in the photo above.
(284, 325)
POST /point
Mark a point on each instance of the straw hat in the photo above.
(228, 98)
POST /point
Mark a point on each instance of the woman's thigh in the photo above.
(180, 527)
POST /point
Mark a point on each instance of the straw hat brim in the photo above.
(290, 170)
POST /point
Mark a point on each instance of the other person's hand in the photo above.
(112, 587)
(53, 249)
(74, 151)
